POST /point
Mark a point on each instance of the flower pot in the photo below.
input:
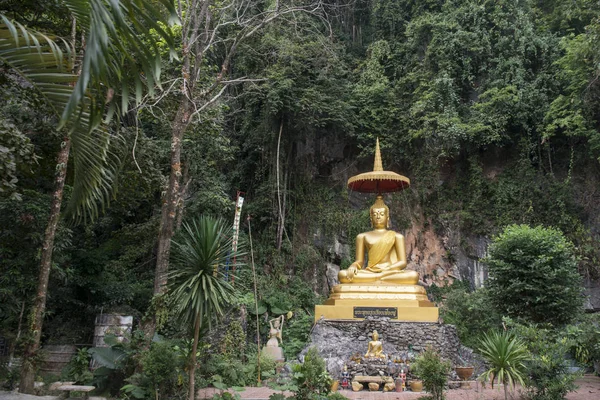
(334, 386)
(464, 373)
(416, 386)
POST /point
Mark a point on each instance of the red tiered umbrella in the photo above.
(378, 180)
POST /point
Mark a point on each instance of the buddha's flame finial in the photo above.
(378, 166)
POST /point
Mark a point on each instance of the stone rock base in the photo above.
(337, 341)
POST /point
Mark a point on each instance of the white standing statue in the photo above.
(272, 349)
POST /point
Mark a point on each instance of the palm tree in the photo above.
(119, 53)
(199, 290)
(505, 354)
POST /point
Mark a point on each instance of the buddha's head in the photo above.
(380, 214)
(375, 335)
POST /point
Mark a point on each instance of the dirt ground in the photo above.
(588, 389)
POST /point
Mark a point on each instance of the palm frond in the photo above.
(117, 41)
(117, 46)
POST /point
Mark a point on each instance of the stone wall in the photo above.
(338, 341)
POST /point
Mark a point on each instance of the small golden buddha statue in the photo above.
(386, 253)
(375, 348)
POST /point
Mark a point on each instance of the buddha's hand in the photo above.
(351, 272)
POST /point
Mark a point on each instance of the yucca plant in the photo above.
(505, 355)
(198, 288)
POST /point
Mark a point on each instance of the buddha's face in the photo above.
(375, 336)
(379, 217)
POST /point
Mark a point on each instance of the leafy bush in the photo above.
(233, 344)
(533, 275)
(297, 334)
(163, 368)
(232, 372)
(78, 369)
(470, 312)
(336, 396)
(548, 377)
(584, 339)
(311, 377)
(430, 367)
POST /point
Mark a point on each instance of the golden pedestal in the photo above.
(397, 302)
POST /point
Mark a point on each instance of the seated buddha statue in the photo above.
(386, 254)
(375, 348)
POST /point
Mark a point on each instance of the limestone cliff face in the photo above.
(440, 255)
(442, 259)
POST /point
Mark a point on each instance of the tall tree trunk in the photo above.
(29, 366)
(182, 193)
(281, 211)
(169, 205)
(169, 210)
(192, 393)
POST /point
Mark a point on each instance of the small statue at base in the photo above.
(375, 348)
(345, 377)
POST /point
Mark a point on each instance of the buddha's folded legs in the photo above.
(393, 276)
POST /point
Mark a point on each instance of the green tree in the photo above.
(199, 290)
(505, 355)
(81, 94)
(533, 275)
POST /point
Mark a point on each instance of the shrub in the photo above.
(584, 339)
(533, 275)
(548, 377)
(336, 396)
(163, 367)
(430, 367)
(297, 334)
(311, 377)
(470, 312)
(78, 369)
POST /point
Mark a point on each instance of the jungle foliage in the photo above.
(489, 106)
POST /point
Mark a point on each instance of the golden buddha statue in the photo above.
(377, 283)
(375, 348)
(386, 253)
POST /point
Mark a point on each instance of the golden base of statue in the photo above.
(397, 302)
(358, 309)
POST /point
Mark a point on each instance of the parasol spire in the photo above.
(378, 166)
(378, 181)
